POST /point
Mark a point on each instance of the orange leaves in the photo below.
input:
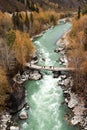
(78, 39)
(5, 21)
(84, 66)
(23, 47)
(4, 88)
(79, 25)
(3, 78)
(78, 30)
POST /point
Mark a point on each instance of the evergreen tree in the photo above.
(37, 9)
(32, 6)
(22, 1)
(20, 22)
(31, 23)
(79, 12)
(52, 19)
(27, 21)
(25, 2)
(17, 20)
(14, 20)
(31, 18)
(28, 4)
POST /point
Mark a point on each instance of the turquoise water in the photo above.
(45, 96)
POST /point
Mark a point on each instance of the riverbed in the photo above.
(44, 96)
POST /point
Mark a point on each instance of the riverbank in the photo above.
(75, 103)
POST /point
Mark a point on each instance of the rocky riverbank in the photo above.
(28, 74)
(6, 122)
(17, 100)
(75, 103)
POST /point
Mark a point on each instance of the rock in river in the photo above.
(14, 128)
(23, 115)
(35, 75)
(73, 100)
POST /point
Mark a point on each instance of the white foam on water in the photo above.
(47, 103)
(45, 53)
(25, 124)
(37, 42)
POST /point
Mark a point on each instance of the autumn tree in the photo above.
(23, 47)
(4, 89)
(78, 54)
(5, 23)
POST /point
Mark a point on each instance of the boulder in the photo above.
(4, 119)
(27, 107)
(23, 115)
(57, 50)
(66, 100)
(73, 100)
(66, 82)
(14, 128)
(35, 75)
(75, 120)
(34, 61)
(63, 77)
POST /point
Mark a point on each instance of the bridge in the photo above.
(49, 68)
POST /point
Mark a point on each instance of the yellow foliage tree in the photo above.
(23, 47)
(78, 54)
(5, 22)
(4, 89)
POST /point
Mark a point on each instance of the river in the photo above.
(45, 96)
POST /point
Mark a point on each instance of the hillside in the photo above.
(11, 5)
(21, 5)
(61, 4)
(69, 4)
(18, 5)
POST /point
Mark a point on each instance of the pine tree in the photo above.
(20, 22)
(79, 12)
(13, 20)
(37, 9)
(27, 21)
(31, 18)
(17, 20)
(28, 4)
(32, 6)
(31, 23)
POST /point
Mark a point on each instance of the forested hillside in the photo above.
(34, 5)
(17, 5)
(61, 4)
(69, 4)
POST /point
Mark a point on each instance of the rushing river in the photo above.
(45, 96)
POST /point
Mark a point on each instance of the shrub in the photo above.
(10, 36)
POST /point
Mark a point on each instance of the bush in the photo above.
(84, 11)
(10, 36)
